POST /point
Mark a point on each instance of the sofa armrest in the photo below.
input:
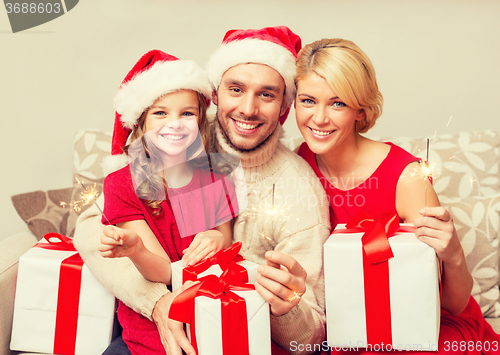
(11, 249)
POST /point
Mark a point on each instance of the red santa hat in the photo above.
(276, 47)
(155, 74)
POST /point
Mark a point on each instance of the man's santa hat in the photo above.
(155, 74)
(276, 47)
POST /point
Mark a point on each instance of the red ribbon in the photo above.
(68, 296)
(61, 242)
(234, 321)
(376, 253)
(226, 259)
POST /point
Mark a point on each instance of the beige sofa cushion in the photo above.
(477, 223)
(466, 163)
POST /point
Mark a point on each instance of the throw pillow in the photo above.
(54, 211)
(466, 163)
(89, 148)
(43, 213)
(477, 222)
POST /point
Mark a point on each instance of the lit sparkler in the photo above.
(425, 171)
(266, 212)
(296, 296)
(87, 196)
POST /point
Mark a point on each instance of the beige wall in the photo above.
(434, 59)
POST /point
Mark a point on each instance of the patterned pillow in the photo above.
(466, 163)
(90, 147)
(43, 213)
(477, 222)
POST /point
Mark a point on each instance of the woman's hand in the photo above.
(204, 245)
(436, 229)
(117, 242)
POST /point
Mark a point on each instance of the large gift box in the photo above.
(381, 287)
(224, 317)
(215, 265)
(60, 307)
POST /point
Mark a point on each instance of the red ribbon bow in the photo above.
(226, 259)
(376, 254)
(233, 310)
(68, 296)
(61, 242)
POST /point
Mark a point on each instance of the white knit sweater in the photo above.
(299, 229)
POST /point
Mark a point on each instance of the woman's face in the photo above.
(172, 124)
(323, 118)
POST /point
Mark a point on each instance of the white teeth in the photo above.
(173, 137)
(245, 126)
(321, 133)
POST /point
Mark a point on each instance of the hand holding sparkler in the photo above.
(117, 242)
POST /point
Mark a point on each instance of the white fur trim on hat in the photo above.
(254, 51)
(112, 163)
(145, 88)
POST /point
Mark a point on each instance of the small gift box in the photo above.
(216, 265)
(381, 287)
(224, 317)
(60, 307)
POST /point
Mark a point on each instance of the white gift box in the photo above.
(36, 300)
(209, 330)
(414, 292)
(177, 270)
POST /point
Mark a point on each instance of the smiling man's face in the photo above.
(250, 100)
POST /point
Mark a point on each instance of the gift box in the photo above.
(60, 307)
(224, 319)
(381, 287)
(244, 270)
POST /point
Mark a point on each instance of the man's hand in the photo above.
(172, 333)
(281, 282)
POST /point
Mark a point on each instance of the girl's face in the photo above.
(172, 124)
(323, 119)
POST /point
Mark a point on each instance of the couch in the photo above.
(467, 182)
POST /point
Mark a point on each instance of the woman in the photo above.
(337, 100)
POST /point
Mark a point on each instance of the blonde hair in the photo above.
(146, 163)
(348, 71)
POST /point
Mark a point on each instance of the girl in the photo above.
(337, 99)
(162, 102)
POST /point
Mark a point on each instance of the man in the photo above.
(253, 74)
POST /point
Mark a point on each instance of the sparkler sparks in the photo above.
(266, 213)
(296, 296)
(87, 196)
(425, 171)
(449, 121)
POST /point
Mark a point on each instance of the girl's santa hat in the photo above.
(276, 47)
(155, 74)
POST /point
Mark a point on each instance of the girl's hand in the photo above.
(204, 245)
(117, 242)
(436, 229)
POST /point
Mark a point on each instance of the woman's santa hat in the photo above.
(276, 47)
(155, 74)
